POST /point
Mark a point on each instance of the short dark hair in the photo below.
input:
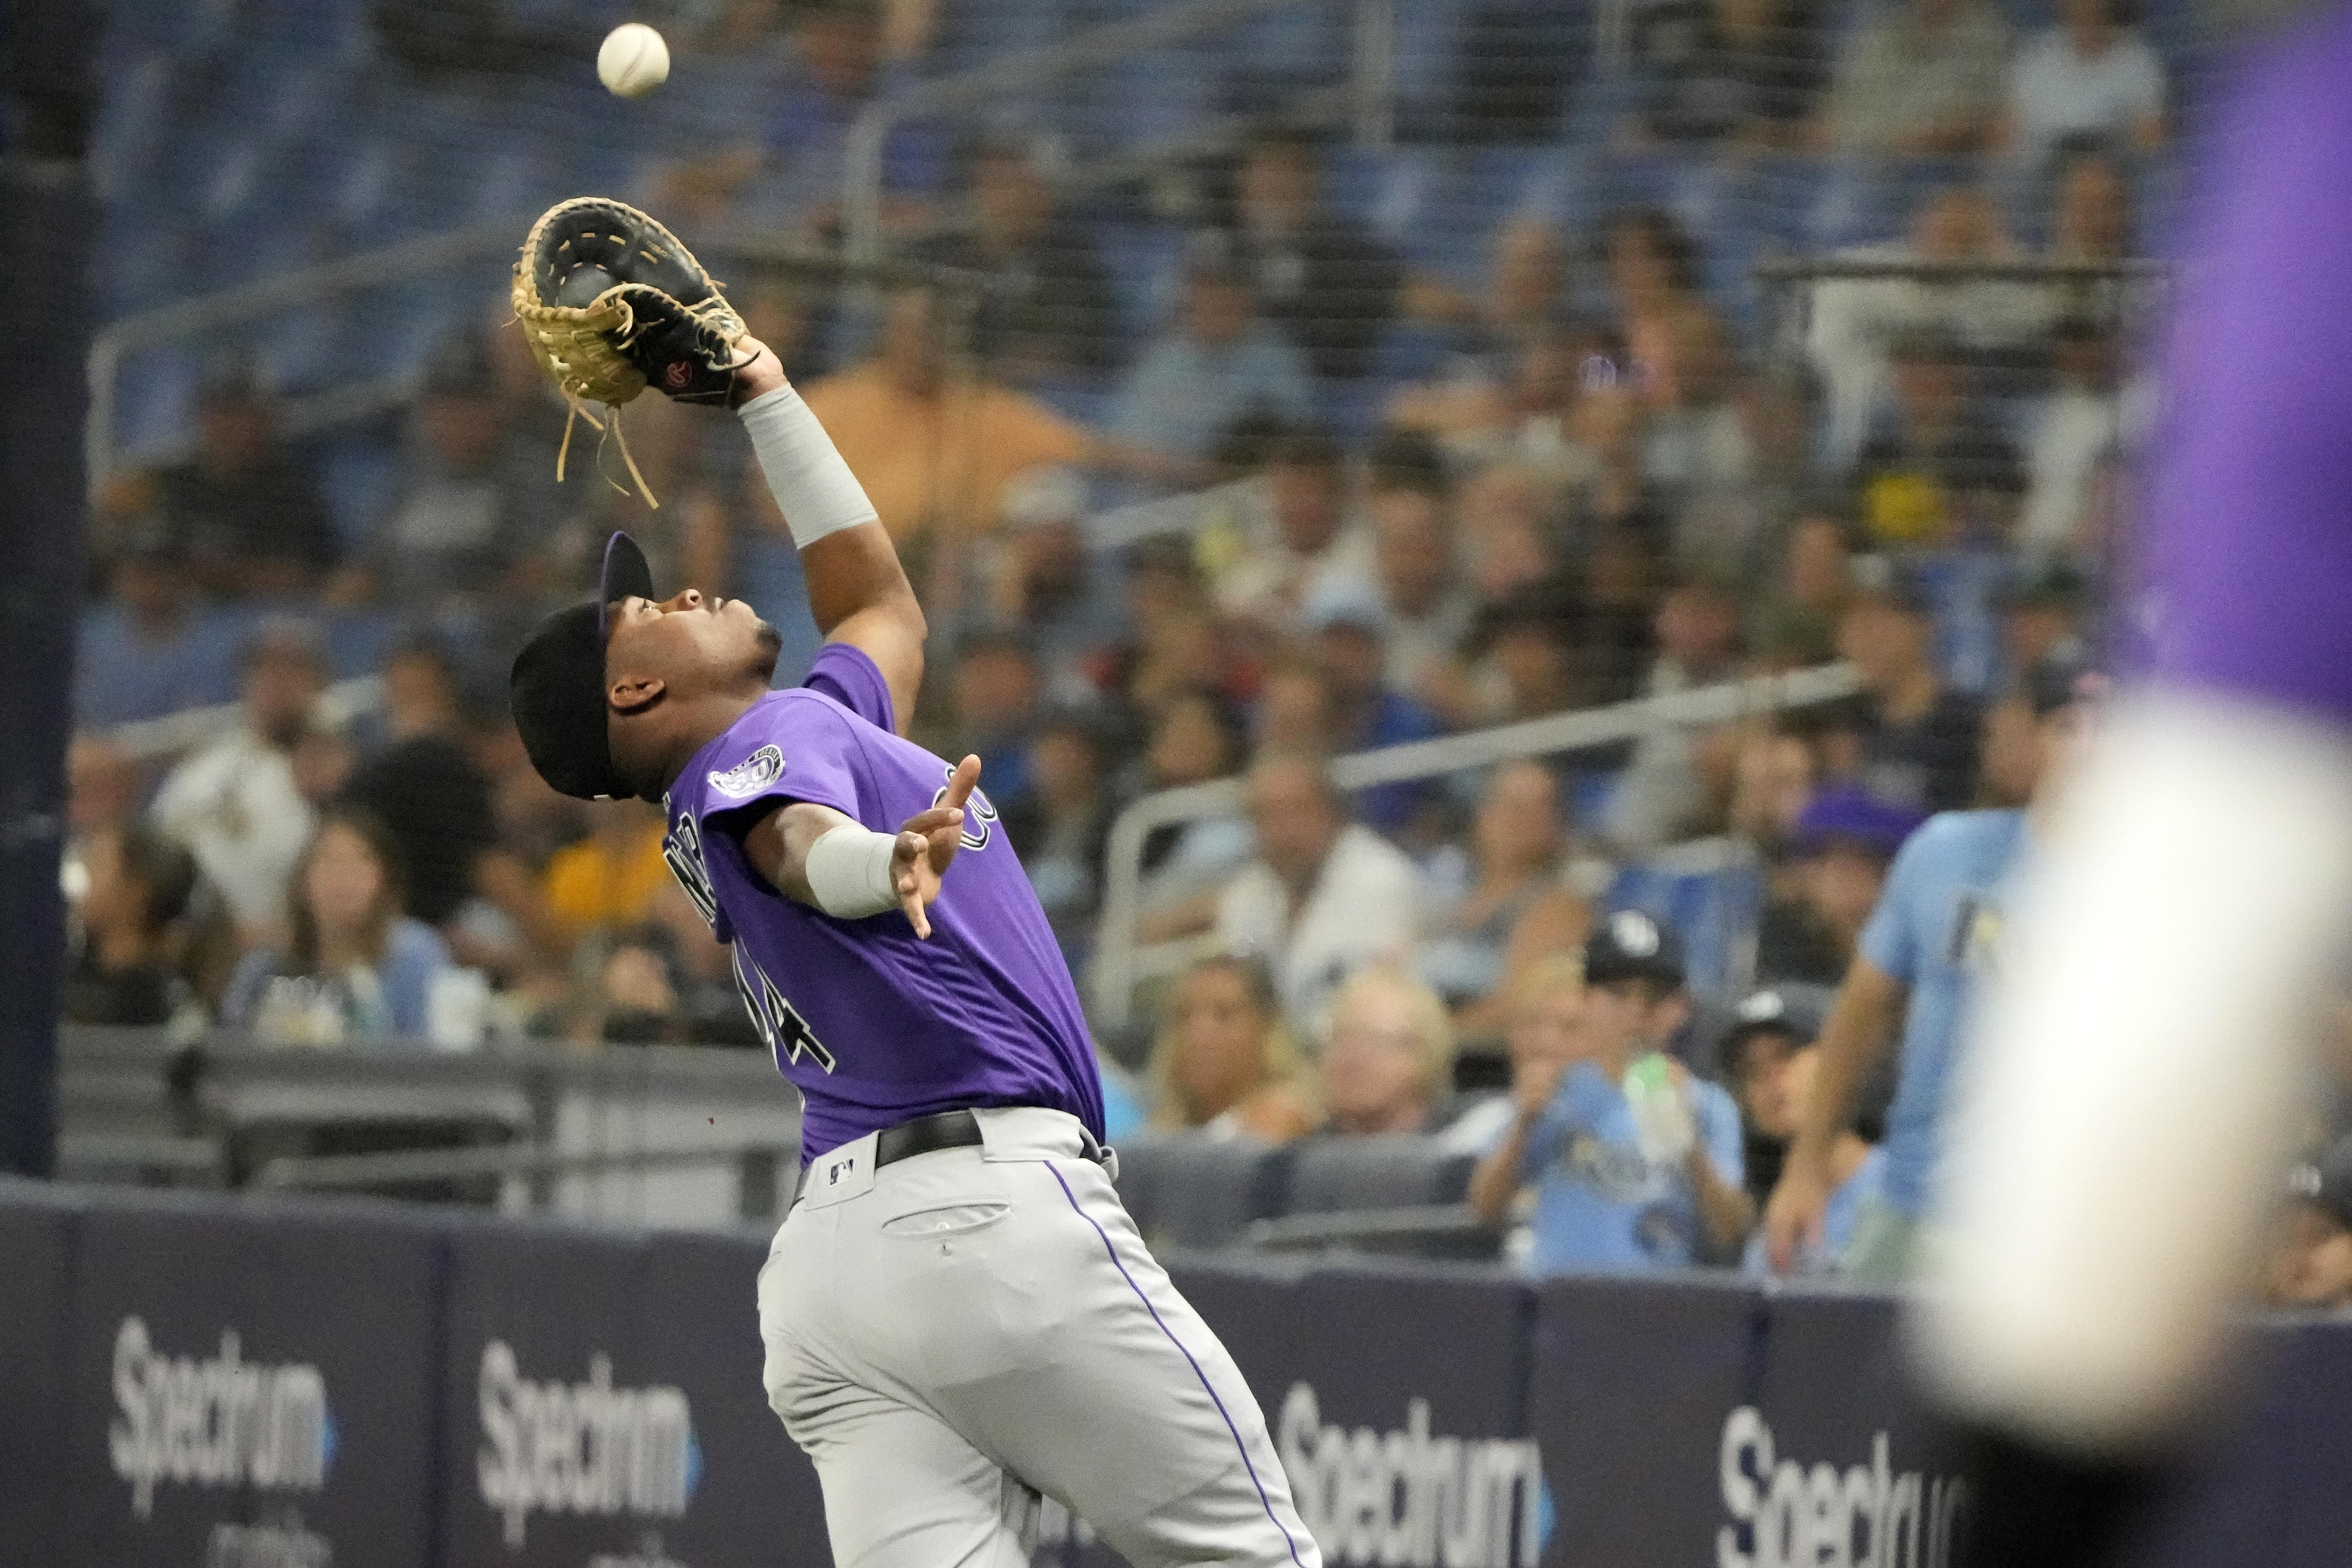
(1308, 445)
(1406, 460)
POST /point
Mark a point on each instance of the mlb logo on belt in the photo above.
(839, 1168)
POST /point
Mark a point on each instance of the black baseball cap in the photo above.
(2325, 1181)
(1630, 945)
(557, 688)
(1793, 1008)
(2061, 681)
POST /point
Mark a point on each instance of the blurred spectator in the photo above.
(1530, 268)
(1696, 448)
(1425, 608)
(2093, 414)
(1843, 843)
(1388, 1063)
(352, 970)
(1216, 362)
(1747, 72)
(1186, 865)
(1919, 741)
(1058, 823)
(998, 696)
(1655, 281)
(1856, 320)
(2045, 614)
(1309, 547)
(2090, 78)
(935, 447)
(235, 803)
(1298, 708)
(2311, 1265)
(2091, 210)
(1326, 282)
(1941, 471)
(423, 785)
(1920, 78)
(1770, 1059)
(1225, 1064)
(1634, 1161)
(102, 786)
(1524, 662)
(1795, 622)
(124, 969)
(146, 651)
(241, 518)
(1049, 309)
(1510, 906)
(1661, 796)
(1366, 711)
(1543, 1033)
(636, 1000)
(1772, 782)
(1041, 576)
(1324, 897)
(473, 511)
(1507, 520)
(608, 880)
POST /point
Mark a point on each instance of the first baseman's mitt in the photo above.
(611, 303)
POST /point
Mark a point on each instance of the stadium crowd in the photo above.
(1255, 537)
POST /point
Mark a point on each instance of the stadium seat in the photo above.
(1385, 1171)
(1193, 1190)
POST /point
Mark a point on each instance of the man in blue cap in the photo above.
(1635, 1162)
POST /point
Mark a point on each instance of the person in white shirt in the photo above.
(2094, 416)
(235, 803)
(1324, 896)
(1307, 545)
(2088, 78)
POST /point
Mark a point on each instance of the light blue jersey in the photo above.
(1868, 1180)
(1600, 1205)
(1937, 923)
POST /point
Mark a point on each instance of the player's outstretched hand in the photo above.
(927, 846)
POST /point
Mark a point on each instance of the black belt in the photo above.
(945, 1130)
(926, 1135)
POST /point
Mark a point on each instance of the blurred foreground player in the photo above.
(958, 1313)
(2118, 1133)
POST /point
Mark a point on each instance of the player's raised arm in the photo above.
(857, 591)
(822, 857)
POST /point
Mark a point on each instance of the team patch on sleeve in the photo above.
(750, 776)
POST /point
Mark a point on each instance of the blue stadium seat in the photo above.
(1191, 1191)
(1387, 1171)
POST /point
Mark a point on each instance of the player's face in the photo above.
(691, 642)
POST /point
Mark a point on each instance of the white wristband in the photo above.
(812, 486)
(849, 872)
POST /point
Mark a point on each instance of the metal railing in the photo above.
(1120, 962)
(1365, 101)
(675, 1134)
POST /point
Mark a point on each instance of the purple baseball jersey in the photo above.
(2250, 546)
(873, 1025)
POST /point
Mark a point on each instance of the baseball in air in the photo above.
(633, 60)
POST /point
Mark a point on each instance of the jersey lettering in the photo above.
(781, 1029)
(682, 852)
(980, 817)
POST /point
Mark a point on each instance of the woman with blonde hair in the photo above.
(1389, 1062)
(1225, 1064)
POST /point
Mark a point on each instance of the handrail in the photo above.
(861, 171)
(391, 264)
(191, 727)
(1115, 957)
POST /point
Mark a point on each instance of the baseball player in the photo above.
(2120, 1131)
(958, 1314)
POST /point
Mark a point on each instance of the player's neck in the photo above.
(703, 720)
